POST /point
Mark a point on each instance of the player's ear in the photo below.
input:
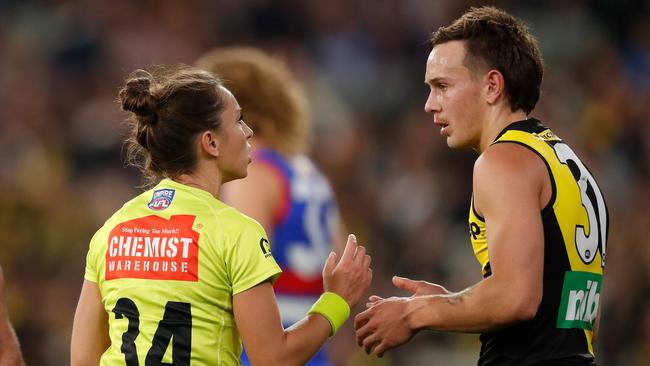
(494, 86)
(209, 143)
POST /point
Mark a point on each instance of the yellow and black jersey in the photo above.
(575, 238)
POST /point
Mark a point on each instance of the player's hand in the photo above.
(351, 277)
(384, 325)
(416, 288)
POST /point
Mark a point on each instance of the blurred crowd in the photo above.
(400, 188)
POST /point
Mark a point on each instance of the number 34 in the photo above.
(176, 322)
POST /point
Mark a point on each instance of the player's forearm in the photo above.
(297, 345)
(487, 306)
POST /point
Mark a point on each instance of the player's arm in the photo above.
(258, 195)
(508, 184)
(90, 328)
(9, 347)
(258, 318)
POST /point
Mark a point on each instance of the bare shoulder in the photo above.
(508, 172)
(509, 160)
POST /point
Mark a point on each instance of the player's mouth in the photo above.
(444, 128)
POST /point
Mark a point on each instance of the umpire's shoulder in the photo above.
(232, 219)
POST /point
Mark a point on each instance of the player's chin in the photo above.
(240, 173)
(454, 143)
(244, 170)
(243, 173)
(451, 143)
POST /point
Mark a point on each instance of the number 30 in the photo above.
(594, 204)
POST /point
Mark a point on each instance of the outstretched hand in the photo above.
(386, 323)
(416, 288)
(351, 277)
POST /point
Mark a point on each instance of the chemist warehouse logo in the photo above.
(161, 199)
(153, 247)
(580, 299)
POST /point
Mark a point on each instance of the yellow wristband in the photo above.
(333, 308)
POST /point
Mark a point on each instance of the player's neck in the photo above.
(200, 181)
(496, 121)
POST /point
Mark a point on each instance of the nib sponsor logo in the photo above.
(153, 247)
(580, 299)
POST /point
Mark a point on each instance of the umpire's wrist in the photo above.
(334, 308)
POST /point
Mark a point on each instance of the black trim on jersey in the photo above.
(549, 206)
(474, 210)
(487, 269)
(530, 125)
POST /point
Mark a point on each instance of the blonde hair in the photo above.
(272, 102)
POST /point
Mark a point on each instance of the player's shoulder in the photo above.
(235, 220)
(508, 160)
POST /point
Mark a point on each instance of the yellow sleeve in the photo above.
(92, 260)
(249, 259)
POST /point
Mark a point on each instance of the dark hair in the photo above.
(170, 107)
(497, 40)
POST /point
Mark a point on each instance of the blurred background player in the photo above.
(9, 347)
(178, 277)
(284, 190)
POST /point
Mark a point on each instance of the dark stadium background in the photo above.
(401, 190)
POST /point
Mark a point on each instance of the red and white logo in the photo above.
(153, 247)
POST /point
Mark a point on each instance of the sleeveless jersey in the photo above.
(575, 238)
(303, 229)
(168, 264)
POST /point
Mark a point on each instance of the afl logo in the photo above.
(161, 199)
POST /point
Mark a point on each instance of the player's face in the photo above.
(454, 96)
(234, 147)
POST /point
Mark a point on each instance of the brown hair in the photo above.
(272, 103)
(497, 40)
(170, 107)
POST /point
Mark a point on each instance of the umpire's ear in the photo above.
(209, 143)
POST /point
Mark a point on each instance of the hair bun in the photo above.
(136, 97)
